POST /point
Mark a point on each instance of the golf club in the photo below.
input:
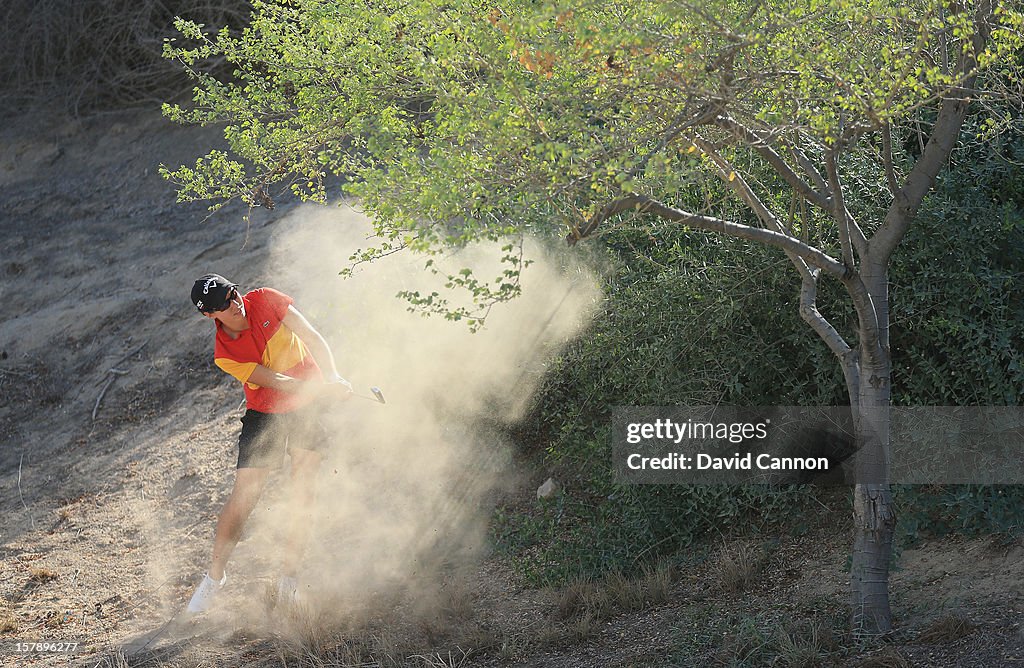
(378, 396)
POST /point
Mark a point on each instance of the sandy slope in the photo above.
(106, 521)
(95, 254)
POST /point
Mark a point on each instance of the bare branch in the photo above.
(922, 177)
(944, 45)
(736, 182)
(832, 338)
(890, 172)
(727, 172)
(850, 233)
(809, 312)
(106, 386)
(761, 145)
(645, 204)
(812, 171)
(22, 496)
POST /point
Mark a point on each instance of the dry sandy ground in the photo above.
(117, 449)
(95, 254)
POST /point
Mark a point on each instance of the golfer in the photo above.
(285, 366)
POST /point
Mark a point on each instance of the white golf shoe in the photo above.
(204, 594)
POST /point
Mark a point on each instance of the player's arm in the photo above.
(257, 374)
(318, 347)
(266, 377)
(321, 352)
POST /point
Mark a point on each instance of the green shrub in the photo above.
(970, 510)
(696, 319)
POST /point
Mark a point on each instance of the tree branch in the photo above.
(811, 170)
(645, 204)
(850, 233)
(922, 177)
(737, 183)
(760, 144)
(727, 172)
(809, 312)
(945, 132)
(890, 171)
(680, 123)
(832, 338)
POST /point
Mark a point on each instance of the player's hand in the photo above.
(339, 388)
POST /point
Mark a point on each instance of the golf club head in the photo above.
(377, 393)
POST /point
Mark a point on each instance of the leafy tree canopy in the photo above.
(467, 119)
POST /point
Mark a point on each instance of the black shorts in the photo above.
(266, 437)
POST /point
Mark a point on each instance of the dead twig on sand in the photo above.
(113, 367)
(112, 373)
(22, 496)
(96, 408)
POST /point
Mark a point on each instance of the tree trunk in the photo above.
(874, 524)
(873, 512)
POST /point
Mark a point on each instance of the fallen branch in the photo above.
(22, 496)
(131, 354)
(96, 408)
(112, 373)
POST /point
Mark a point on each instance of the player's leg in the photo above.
(305, 465)
(249, 484)
(260, 449)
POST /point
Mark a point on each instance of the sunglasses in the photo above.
(227, 304)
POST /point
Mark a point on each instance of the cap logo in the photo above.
(207, 284)
(199, 304)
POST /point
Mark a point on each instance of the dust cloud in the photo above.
(404, 493)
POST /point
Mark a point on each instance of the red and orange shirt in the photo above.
(269, 343)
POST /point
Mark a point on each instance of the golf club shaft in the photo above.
(378, 396)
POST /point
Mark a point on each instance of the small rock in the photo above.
(49, 153)
(548, 489)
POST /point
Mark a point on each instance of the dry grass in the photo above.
(8, 622)
(806, 645)
(456, 601)
(740, 565)
(116, 660)
(581, 629)
(313, 641)
(583, 604)
(744, 644)
(888, 657)
(572, 598)
(601, 599)
(88, 55)
(946, 629)
(571, 632)
(447, 659)
(402, 637)
(512, 646)
(323, 647)
(387, 649)
(41, 574)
